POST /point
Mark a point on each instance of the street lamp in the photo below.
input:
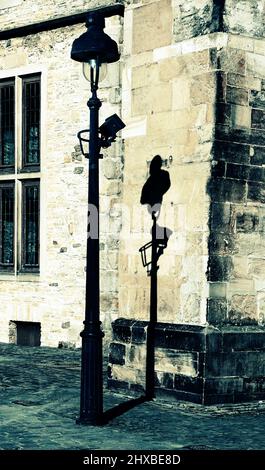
(93, 48)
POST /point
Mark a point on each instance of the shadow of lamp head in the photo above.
(157, 184)
(161, 244)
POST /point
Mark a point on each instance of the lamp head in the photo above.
(94, 44)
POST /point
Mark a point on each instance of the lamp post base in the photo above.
(91, 402)
(90, 420)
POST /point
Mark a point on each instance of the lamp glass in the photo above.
(92, 64)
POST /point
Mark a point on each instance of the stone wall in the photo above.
(168, 96)
(222, 73)
(202, 364)
(55, 297)
(236, 244)
(198, 17)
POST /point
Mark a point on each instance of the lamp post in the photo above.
(93, 48)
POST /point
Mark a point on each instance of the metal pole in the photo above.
(150, 340)
(91, 399)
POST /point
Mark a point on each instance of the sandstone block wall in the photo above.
(168, 96)
(236, 244)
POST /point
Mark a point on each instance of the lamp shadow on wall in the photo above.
(156, 185)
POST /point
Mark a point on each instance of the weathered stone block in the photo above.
(145, 74)
(239, 340)
(253, 385)
(220, 216)
(224, 385)
(221, 243)
(256, 192)
(139, 332)
(184, 340)
(235, 79)
(257, 137)
(214, 343)
(218, 168)
(186, 23)
(220, 364)
(223, 113)
(164, 380)
(188, 384)
(230, 190)
(257, 174)
(216, 311)
(257, 99)
(242, 309)
(157, 29)
(117, 353)
(242, 136)
(233, 60)
(155, 99)
(197, 62)
(14, 60)
(217, 289)
(137, 356)
(203, 89)
(258, 155)
(124, 374)
(184, 363)
(221, 82)
(181, 94)
(240, 172)
(240, 116)
(118, 385)
(256, 267)
(258, 118)
(237, 95)
(247, 223)
(170, 68)
(122, 330)
(231, 152)
(219, 268)
(112, 169)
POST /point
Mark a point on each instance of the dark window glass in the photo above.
(7, 226)
(31, 123)
(30, 229)
(7, 123)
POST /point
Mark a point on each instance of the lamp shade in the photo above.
(93, 64)
(94, 43)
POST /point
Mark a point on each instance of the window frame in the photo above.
(4, 267)
(24, 267)
(20, 175)
(25, 166)
(8, 169)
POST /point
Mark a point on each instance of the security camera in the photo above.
(109, 129)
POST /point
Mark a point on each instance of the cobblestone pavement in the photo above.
(39, 401)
